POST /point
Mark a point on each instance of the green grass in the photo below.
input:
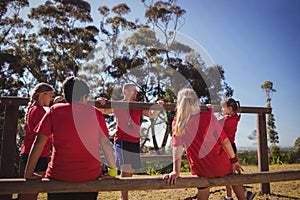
(279, 190)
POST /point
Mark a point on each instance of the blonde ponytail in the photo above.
(185, 100)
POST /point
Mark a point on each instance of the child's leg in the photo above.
(126, 171)
(203, 193)
(239, 191)
(228, 191)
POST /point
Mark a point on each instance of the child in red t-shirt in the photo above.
(41, 96)
(208, 149)
(230, 109)
(77, 131)
(127, 136)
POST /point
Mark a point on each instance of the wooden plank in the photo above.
(262, 151)
(13, 100)
(10, 186)
(23, 101)
(172, 106)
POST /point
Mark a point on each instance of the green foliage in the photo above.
(155, 167)
(247, 157)
(267, 87)
(185, 166)
(282, 157)
(162, 167)
(64, 38)
(288, 156)
(277, 156)
(275, 150)
(274, 160)
(11, 26)
(297, 145)
(295, 157)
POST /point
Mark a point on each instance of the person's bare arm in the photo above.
(34, 155)
(177, 158)
(228, 148)
(105, 111)
(107, 149)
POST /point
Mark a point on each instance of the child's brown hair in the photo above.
(230, 102)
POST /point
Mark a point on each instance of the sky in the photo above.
(254, 41)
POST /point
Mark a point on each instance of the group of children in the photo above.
(75, 130)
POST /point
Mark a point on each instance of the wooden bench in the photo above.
(20, 185)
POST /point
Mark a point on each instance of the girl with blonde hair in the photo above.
(208, 149)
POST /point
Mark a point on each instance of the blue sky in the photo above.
(254, 41)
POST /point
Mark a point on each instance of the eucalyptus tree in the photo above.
(65, 38)
(267, 87)
(11, 27)
(150, 55)
(176, 57)
(100, 71)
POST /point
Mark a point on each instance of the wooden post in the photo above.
(8, 151)
(262, 152)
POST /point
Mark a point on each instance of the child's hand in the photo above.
(106, 176)
(209, 105)
(171, 178)
(102, 100)
(237, 168)
(34, 176)
(160, 102)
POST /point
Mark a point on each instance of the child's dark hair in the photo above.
(74, 88)
(230, 102)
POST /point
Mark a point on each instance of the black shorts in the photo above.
(234, 147)
(41, 165)
(127, 153)
(73, 196)
(201, 188)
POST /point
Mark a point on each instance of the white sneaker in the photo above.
(226, 198)
(249, 195)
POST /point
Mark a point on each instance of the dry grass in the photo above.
(279, 190)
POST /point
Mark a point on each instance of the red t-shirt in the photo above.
(76, 130)
(202, 141)
(125, 132)
(34, 116)
(230, 126)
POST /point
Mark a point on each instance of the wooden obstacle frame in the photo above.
(10, 184)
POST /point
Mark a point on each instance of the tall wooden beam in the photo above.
(8, 146)
(262, 151)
